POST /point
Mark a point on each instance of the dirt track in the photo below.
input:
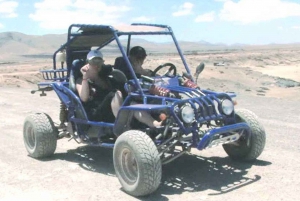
(78, 172)
(86, 173)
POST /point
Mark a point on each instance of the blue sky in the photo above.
(214, 21)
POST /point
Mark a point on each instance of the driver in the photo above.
(137, 56)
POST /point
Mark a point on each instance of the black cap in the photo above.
(138, 51)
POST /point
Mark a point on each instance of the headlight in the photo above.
(227, 106)
(187, 114)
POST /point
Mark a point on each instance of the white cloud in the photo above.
(184, 9)
(280, 28)
(143, 19)
(1, 26)
(295, 27)
(250, 11)
(7, 8)
(207, 17)
(59, 14)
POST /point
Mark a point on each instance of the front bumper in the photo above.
(225, 134)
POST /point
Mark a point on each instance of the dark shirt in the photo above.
(98, 106)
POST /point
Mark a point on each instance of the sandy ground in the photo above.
(266, 82)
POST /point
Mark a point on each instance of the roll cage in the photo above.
(81, 38)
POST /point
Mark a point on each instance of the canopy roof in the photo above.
(85, 36)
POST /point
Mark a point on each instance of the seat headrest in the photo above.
(119, 76)
(121, 65)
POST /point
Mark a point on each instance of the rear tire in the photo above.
(244, 149)
(40, 135)
(137, 163)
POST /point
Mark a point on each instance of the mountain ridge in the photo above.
(15, 44)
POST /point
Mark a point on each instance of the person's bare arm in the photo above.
(147, 72)
(140, 70)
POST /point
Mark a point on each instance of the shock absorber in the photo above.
(160, 91)
(188, 83)
(62, 114)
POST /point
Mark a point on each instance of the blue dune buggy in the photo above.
(192, 117)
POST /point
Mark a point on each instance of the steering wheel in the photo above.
(168, 73)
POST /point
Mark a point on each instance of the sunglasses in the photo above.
(96, 61)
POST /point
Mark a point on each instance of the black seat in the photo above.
(75, 73)
(120, 64)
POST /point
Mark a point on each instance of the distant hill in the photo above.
(14, 45)
(41, 43)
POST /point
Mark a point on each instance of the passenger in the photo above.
(100, 100)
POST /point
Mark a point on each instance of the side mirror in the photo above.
(199, 69)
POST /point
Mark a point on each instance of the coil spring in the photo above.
(160, 91)
(63, 113)
(190, 84)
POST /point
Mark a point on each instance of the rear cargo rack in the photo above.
(55, 75)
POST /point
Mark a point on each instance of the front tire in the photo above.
(247, 149)
(137, 163)
(40, 135)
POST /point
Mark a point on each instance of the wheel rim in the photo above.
(30, 137)
(129, 166)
